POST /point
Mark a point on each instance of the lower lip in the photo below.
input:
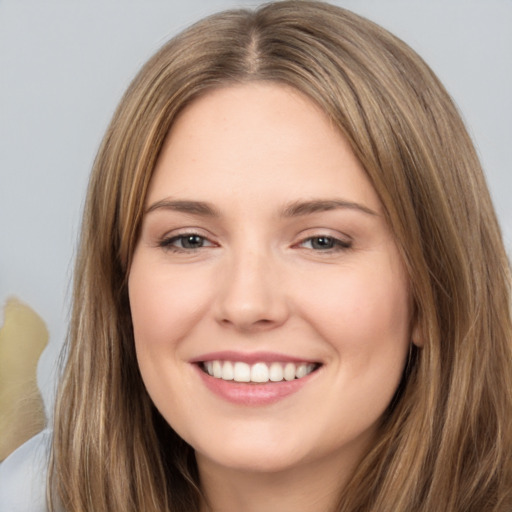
(252, 393)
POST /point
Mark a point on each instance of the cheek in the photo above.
(365, 317)
(363, 311)
(166, 304)
(165, 307)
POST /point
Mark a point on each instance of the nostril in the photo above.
(251, 325)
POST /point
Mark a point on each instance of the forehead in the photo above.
(257, 139)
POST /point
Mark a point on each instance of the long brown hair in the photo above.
(445, 443)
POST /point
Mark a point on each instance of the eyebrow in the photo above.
(294, 209)
(185, 206)
(298, 208)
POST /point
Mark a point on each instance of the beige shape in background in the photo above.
(23, 337)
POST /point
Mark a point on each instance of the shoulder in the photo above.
(23, 476)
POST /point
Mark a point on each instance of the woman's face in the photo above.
(270, 306)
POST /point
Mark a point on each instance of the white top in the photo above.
(23, 476)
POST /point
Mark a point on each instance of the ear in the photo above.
(416, 335)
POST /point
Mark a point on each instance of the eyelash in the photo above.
(167, 243)
(334, 244)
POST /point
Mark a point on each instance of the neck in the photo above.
(308, 488)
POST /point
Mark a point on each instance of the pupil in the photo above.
(322, 242)
(192, 241)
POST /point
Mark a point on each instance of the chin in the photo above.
(253, 460)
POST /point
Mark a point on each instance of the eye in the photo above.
(325, 243)
(185, 242)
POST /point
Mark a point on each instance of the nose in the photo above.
(252, 297)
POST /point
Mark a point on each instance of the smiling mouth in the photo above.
(259, 372)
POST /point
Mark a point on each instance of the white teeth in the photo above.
(258, 372)
(301, 371)
(242, 372)
(228, 372)
(276, 372)
(217, 369)
(289, 371)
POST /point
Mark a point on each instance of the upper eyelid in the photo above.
(307, 234)
(345, 243)
(185, 235)
(184, 232)
(317, 232)
(178, 233)
(168, 243)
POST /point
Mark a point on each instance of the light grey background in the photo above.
(64, 65)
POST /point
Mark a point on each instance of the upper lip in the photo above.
(251, 357)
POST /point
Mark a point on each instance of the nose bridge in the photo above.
(250, 295)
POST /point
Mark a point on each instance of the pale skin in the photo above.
(263, 235)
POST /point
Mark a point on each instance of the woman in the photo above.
(291, 290)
